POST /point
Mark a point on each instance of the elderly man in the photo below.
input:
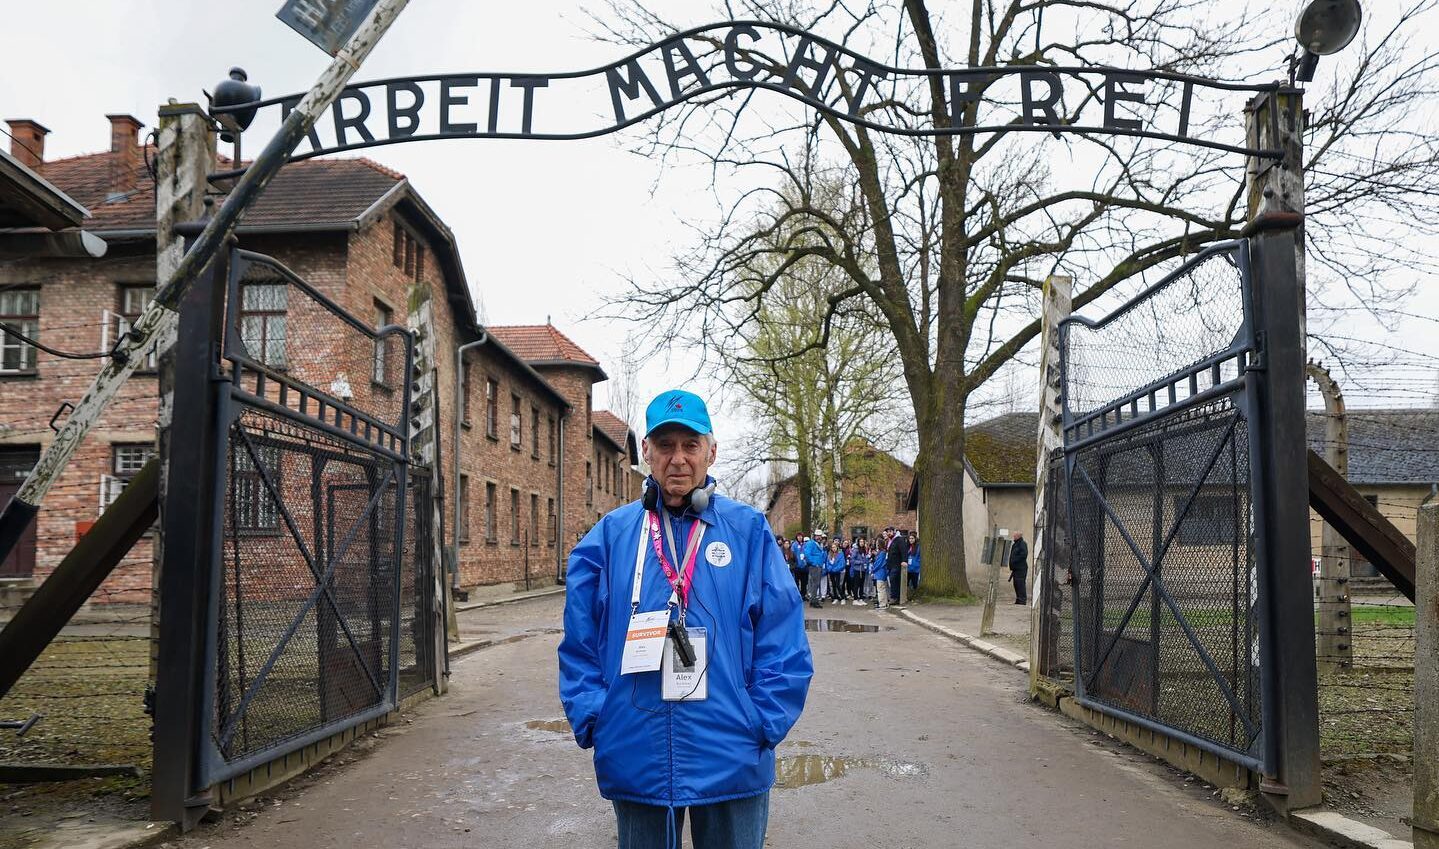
(684, 660)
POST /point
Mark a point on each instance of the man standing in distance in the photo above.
(684, 661)
(897, 561)
(1019, 566)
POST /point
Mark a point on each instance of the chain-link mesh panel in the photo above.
(1197, 314)
(307, 594)
(1165, 582)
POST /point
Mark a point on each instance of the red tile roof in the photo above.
(312, 192)
(541, 343)
(613, 427)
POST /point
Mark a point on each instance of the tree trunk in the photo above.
(940, 469)
(806, 495)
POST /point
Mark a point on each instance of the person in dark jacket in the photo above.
(683, 726)
(897, 560)
(1019, 566)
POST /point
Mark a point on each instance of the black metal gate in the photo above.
(1163, 514)
(320, 589)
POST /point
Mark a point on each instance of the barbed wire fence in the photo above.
(80, 711)
(1366, 683)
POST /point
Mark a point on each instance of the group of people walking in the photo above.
(859, 573)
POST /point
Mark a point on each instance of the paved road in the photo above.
(908, 741)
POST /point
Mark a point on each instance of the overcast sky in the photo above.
(545, 228)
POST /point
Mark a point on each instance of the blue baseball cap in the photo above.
(677, 406)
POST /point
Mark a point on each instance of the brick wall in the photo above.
(75, 297)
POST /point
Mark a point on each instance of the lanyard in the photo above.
(679, 582)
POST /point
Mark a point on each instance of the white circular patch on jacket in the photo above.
(717, 553)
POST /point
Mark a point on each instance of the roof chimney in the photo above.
(124, 154)
(27, 142)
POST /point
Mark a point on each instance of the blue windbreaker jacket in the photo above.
(813, 553)
(859, 562)
(685, 753)
(834, 564)
(877, 569)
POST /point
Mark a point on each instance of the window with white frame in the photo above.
(262, 321)
(126, 461)
(516, 437)
(19, 314)
(133, 300)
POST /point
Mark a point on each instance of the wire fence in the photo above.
(1366, 682)
(83, 702)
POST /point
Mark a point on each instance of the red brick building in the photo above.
(363, 236)
(876, 487)
(601, 453)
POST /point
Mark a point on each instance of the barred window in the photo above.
(255, 509)
(462, 533)
(465, 394)
(383, 317)
(262, 321)
(553, 525)
(491, 529)
(534, 520)
(514, 516)
(20, 313)
(492, 408)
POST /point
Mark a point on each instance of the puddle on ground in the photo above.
(793, 771)
(558, 726)
(841, 626)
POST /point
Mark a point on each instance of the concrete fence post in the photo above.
(1426, 681)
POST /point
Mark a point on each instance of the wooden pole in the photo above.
(1425, 823)
(998, 557)
(1043, 614)
(1336, 643)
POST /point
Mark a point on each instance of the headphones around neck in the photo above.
(698, 499)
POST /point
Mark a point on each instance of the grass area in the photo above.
(1366, 712)
(1382, 614)
(90, 693)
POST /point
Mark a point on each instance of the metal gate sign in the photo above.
(328, 24)
(830, 78)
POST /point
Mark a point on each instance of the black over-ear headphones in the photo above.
(699, 497)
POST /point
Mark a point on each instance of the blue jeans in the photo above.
(736, 824)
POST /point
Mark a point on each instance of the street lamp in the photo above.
(1323, 28)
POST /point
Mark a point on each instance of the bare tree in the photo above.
(953, 235)
(624, 390)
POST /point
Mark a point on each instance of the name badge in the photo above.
(681, 683)
(644, 642)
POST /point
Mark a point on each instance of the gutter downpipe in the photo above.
(560, 502)
(455, 460)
